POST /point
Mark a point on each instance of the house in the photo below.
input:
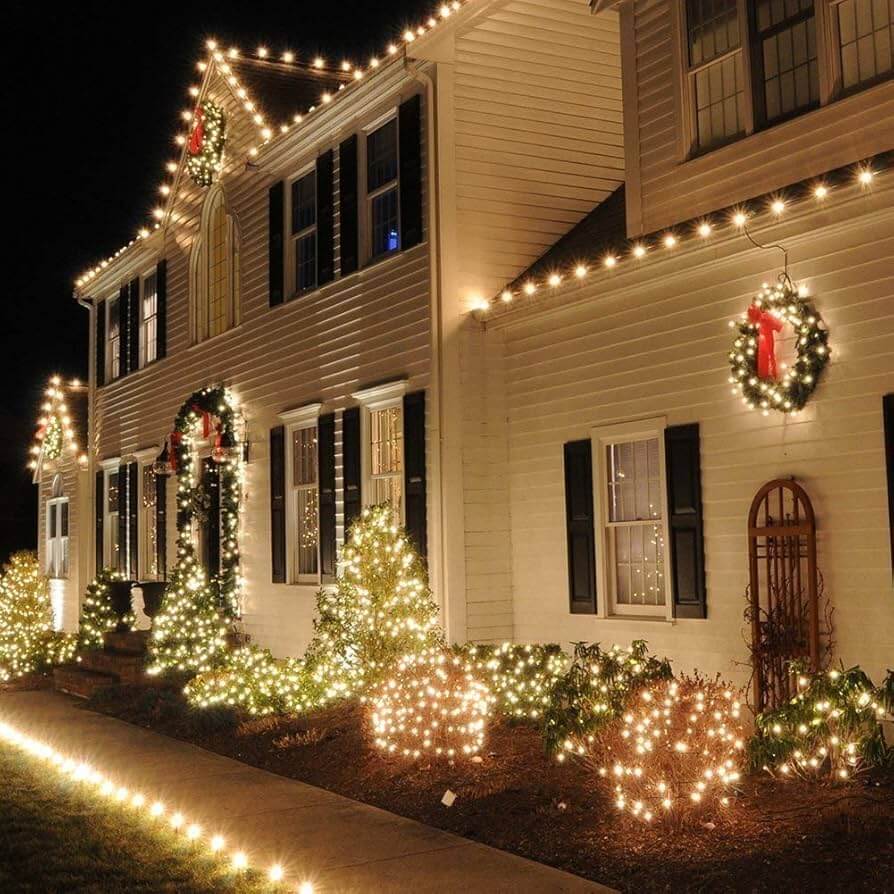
(468, 276)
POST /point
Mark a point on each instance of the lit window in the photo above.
(386, 457)
(148, 528)
(305, 505)
(110, 522)
(113, 339)
(149, 320)
(57, 532)
(304, 231)
(865, 40)
(382, 189)
(715, 70)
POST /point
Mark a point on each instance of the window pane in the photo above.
(788, 54)
(304, 203)
(381, 156)
(306, 261)
(304, 456)
(149, 563)
(388, 490)
(713, 29)
(385, 232)
(112, 492)
(386, 440)
(63, 522)
(634, 480)
(218, 270)
(718, 100)
(149, 316)
(306, 516)
(866, 33)
(51, 518)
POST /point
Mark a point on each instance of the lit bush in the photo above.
(432, 707)
(832, 727)
(98, 614)
(27, 640)
(520, 677)
(674, 754)
(596, 688)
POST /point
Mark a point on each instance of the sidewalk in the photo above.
(339, 844)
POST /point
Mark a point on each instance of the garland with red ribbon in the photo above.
(205, 146)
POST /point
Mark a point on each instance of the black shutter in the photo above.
(326, 484)
(278, 503)
(211, 538)
(100, 494)
(161, 525)
(347, 205)
(133, 324)
(161, 309)
(410, 137)
(414, 471)
(133, 519)
(100, 344)
(888, 404)
(325, 230)
(684, 506)
(579, 524)
(275, 253)
(350, 438)
(123, 330)
(122, 519)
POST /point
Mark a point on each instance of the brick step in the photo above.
(75, 680)
(133, 642)
(126, 666)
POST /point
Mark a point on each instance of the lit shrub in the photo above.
(676, 752)
(831, 728)
(430, 707)
(98, 614)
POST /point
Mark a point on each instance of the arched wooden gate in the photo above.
(783, 589)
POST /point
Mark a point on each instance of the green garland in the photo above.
(204, 164)
(98, 615)
(798, 383)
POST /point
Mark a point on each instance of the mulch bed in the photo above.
(791, 836)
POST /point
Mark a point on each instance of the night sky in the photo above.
(92, 94)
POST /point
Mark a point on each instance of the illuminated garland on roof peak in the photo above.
(55, 432)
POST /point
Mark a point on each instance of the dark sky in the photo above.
(92, 92)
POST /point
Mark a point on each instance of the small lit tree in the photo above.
(98, 614)
(27, 639)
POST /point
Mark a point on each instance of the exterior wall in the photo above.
(665, 188)
(366, 328)
(654, 341)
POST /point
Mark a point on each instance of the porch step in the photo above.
(126, 667)
(131, 642)
(76, 680)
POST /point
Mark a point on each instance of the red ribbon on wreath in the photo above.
(767, 324)
(197, 137)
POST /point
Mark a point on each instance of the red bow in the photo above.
(197, 137)
(767, 325)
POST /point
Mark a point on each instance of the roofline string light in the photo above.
(671, 239)
(56, 424)
(139, 802)
(220, 59)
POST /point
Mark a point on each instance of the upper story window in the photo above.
(383, 189)
(215, 270)
(864, 31)
(149, 319)
(304, 231)
(113, 338)
(57, 532)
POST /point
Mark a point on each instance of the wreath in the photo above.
(755, 373)
(204, 149)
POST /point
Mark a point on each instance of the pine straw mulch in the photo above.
(791, 836)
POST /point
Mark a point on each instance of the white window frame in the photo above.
(836, 74)
(109, 467)
(144, 459)
(145, 360)
(112, 348)
(304, 417)
(57, 558)
(293, 239)
(602, 437)
(366, 227)
(380, 397)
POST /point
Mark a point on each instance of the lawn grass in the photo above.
(57, 837)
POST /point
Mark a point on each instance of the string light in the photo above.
(55, 432)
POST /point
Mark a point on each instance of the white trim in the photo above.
(602, 436)
(380, 396)
(146, 454)
(53, 508)
(305, 413)
(110, 462)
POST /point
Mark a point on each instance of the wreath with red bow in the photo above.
(762, 382)
(204, 149)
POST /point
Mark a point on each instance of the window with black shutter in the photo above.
(133, 516)
(275, 250)
(278, 504)
(133, 325)
(579, 526)
(122, 326)
(352, 498)
(888, 407)
(410, 135)
(161, 312)
(347, 200)
(99, 497)
(325, 225)
(100, 346)
(123, 511)
(210, 529)
(161, 526)
(414, 471)
(326, 479)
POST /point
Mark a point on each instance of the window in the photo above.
(110, 523)
(215, 270)
(386, 441)
(304, 231)
(715, 70)
(57, 532)
(784, 58)
(631, 531)
(382, 189)
(149, 319)
(113, 339)
(148, 526)
(305, 510)
(865, 32)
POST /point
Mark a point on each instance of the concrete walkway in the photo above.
(339, 844)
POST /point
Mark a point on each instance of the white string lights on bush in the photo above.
(152, 810)
(219, 60)
(696, 232)
(55, 432)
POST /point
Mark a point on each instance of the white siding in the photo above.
(654, 342)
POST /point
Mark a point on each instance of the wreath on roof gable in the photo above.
(205, 147)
